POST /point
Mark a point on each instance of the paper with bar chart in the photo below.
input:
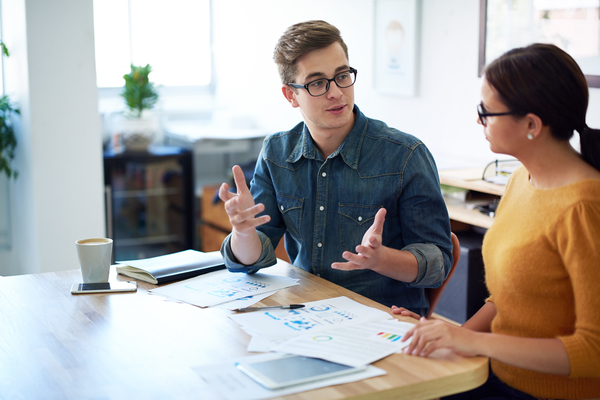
(353, 345)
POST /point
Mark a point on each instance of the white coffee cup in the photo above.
(94, 258)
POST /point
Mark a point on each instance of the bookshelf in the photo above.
(149, 202)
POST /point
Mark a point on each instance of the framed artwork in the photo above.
(396, 33)
(572, 25)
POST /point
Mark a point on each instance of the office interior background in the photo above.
(51, 74)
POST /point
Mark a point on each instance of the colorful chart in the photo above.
(389, 336)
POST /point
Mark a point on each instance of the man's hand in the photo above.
(405, 312)
(241, 210)
(370, 253)
(240, 206)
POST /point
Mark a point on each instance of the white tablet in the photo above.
(293, 370)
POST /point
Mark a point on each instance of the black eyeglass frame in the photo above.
(483, 114)
(351, 70)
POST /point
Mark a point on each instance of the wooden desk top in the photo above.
(55, 345)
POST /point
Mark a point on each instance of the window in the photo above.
(172, 36)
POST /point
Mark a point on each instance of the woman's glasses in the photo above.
(483, 114)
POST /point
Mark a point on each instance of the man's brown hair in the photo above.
(300, 39)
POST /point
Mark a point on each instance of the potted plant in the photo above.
(138, 128)
(8, 141)
(139, 92)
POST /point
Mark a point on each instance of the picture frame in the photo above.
(396, 28)
(572, 25)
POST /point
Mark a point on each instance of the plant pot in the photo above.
(137, 133)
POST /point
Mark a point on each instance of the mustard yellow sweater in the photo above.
(542, 266)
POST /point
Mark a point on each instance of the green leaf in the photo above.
(4, 49)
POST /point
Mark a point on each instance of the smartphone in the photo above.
(103, 287)
(293, 370)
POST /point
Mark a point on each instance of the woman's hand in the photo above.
(430, 335)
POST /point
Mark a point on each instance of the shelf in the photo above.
(470, 179)
(123, 194)
(150, 240)
(471, 217)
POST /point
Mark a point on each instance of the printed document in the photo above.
(271, 327)
(229, 382)
(223, 286)
(354, 345)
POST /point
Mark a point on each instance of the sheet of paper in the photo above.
(243, 302)
(315, 316)
(354, 345)
(231, 383)
(223, 286)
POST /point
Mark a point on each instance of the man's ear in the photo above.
(290, 95)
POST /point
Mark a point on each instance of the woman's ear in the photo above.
(290, 95)
(534, 125)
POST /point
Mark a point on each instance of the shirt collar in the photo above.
(349, 149)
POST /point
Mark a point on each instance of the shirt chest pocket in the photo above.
(354, 222)
(291, 212)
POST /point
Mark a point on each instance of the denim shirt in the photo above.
(324, 207)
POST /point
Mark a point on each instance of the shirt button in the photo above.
(359, 218)
(324, 174)
(319, 244)
(321, 208)
(281, 208)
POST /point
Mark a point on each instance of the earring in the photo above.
(530, 136)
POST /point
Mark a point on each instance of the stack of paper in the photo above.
(339, 330)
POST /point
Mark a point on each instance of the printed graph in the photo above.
(389, 336)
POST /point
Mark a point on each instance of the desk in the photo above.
(54, 345)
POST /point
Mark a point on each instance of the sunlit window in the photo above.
(172, 36)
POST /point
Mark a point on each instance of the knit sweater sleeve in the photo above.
(579, 246)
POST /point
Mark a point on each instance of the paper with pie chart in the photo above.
(354, 345)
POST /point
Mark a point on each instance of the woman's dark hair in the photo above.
(544, 80)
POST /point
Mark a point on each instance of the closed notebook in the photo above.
(171, 267)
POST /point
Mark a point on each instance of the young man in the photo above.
(359, 202)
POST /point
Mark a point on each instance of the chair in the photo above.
(435, 294)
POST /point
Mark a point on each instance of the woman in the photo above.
(541, 325)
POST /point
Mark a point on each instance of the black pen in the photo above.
(288, 307)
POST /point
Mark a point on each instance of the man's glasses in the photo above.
(483, 114)
(321, 86)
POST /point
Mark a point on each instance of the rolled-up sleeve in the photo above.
(431, 265)
(267, 256)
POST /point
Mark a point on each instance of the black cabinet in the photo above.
(466, 292)
(149, 202)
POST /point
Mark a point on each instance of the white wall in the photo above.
(442, 114)
(58, 197)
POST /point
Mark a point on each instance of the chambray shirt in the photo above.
(325, 206)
